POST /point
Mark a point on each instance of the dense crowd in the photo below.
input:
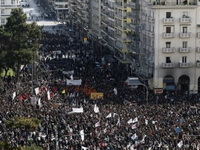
(121, 120)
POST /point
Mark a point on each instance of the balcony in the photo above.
(185, 50)
(198, 49)
(198, 64)
(185, 20)
(168, 20)
(168, 35)
(150, 48)
(144, 32)
(185, 35)
(150, 34)
(168, 50)
(184, 65)
(198, 34)
(151, 19)
(168, 65)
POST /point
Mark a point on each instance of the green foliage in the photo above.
(23, 123)
(9, 72)
(19, 41)
(32, 147)
(5, 146)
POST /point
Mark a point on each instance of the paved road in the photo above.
(35, 13)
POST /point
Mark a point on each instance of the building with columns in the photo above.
(6, 7)
(170, 44)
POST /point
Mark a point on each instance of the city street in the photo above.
(72, 93)
(37, 14)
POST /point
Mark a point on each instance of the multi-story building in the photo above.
(96, 18)
(61, 7)
(170, 44)
(6, 7)
(122, 30)
(133, 46)
(81, 15)
(108, 23)
(160, 39)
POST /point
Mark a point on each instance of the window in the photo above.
(2, 1)
(3, 11)
(168, 60)
(12, 1)
(184, 29)
(168, 44)
(184, 59)
(168, 15)
(168, 29)
(185, 14)
(184, 44)
(3, 21)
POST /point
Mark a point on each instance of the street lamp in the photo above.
(147, 93)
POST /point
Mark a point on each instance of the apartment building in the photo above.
(122, 20)
(61, 7)
(170, 44)
(108, 23)
(80, 12)
(158, 39)
(95, 18)
(6, 7)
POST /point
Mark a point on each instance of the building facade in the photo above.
(80, 14)
(159, 40)
(6, 7)
(170, 41)
(61, 7)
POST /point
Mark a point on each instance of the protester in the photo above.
(71, 120)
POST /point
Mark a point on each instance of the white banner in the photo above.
(134, 136)
(82, 135)
(109, 115)
(74, 82)
(37, 90)
(97, 124)
(77, 110)
(68, 72)
(39, 103)
(180, 144)
(33, 101)
(96, 109)
(14, 95)
(84, 148)
(48, 95)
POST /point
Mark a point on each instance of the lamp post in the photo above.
(147, 93)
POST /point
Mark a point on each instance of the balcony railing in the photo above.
(144, 31)
(185, 35)
(151, 19)
(185, 65)
(150, 34)
(169, 50)
(185, 20)
(168, 35)
(168, 20)
(198, 49)
(168, 65)
(198, 34)
(185, 50)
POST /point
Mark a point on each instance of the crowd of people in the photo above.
(72, 120)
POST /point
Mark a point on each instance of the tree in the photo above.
(23, 122)
(19, 42)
